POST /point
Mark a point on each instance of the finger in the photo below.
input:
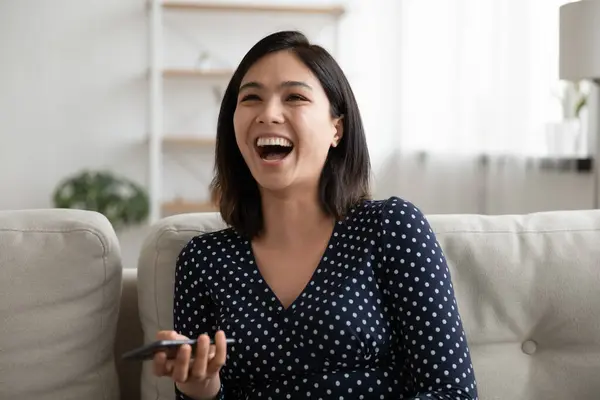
(160, 359)
(220, 354)
(159, 364)
(166, 335)
(169, 335)
(169, 366)
(212, 351)
(179, 337)
(182, 364)
(202, 349)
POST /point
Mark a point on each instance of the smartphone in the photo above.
(170, 347)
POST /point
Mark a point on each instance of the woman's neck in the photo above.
(290, 219)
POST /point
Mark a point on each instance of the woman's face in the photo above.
(283, 125)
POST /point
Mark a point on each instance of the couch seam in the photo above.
(484, 232)
(104, 257)
(94, 231)
(156, 254)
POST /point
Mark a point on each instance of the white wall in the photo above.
(72, 89)
(73, 95)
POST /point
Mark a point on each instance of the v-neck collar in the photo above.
(331, 243)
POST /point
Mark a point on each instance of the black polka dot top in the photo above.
(378, 319)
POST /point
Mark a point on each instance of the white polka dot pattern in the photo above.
(378, 319)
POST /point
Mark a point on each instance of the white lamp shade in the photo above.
(580, 40)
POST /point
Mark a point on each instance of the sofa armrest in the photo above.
(60, 287)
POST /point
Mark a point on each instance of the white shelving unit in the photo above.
(158, 140)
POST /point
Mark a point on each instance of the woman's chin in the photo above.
(275, 184)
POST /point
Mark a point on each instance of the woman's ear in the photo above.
(339, 130)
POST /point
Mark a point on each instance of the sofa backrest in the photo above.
(155, 280)
(526, 287)
(60, 284)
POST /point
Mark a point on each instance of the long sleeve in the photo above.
(420, 300)
(193, 310)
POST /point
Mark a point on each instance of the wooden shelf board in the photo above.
(196, 73)
(233, 7)
(186, 207)
(188, 141)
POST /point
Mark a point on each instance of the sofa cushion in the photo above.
(60, 283)
(526, 287)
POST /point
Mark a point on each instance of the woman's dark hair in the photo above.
(345, 179)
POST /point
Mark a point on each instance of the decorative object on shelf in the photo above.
(565, 139)
(573, 98)
(208, 61)
(204, 61)
(579, 59)
(568, 137)
(121, 200)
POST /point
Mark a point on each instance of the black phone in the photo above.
(170, 347)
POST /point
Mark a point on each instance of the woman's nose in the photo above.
(271, 113)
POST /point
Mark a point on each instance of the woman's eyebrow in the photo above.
(249, 85)
(295, 83)
(258, 85)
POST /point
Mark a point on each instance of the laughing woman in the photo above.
(327, 293)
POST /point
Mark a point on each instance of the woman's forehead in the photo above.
(279, 69)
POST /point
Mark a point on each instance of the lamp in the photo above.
(580, 60)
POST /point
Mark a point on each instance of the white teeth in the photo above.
(273, 141)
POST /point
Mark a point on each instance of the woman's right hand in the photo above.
(196, 375)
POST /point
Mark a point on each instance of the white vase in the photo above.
(564, 139)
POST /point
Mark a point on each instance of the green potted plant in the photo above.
(573, 99)
(121, 200)
(567, 137)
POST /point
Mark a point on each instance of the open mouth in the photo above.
(273, 148)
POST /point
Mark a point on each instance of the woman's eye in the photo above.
(250, 97)
(296, 97)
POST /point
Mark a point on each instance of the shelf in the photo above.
(188, 141)
(553, 164)
(197, 73)
(335, 10)
(567, 164)
(186, 207)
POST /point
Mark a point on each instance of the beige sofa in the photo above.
(527, 287)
